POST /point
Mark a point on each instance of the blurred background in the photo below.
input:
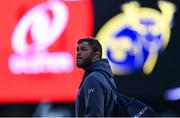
(38, 76)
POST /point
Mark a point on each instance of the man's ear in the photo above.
(96, 56)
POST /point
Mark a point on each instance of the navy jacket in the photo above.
(95, 97)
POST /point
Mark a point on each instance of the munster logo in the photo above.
(133, 39)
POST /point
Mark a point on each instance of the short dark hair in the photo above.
(93, 42)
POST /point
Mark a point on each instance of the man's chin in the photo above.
(81, 66)
(78, 65)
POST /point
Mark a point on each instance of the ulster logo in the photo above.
(34, 58)
(133, 39)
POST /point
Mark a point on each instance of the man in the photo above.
(95, 97)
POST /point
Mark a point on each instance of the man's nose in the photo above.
(78, 52)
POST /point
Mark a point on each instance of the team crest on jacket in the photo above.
(133, 39)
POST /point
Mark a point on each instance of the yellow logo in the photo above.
(133, 39)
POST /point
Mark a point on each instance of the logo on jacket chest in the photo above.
(91, 90)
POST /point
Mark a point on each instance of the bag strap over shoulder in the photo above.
(129, 106)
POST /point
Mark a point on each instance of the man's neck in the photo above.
(93, 62)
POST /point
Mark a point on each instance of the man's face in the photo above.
(84, 55)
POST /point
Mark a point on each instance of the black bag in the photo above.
(128, 106)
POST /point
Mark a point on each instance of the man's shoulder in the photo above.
(95, 77)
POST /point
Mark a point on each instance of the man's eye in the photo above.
(84, 49)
